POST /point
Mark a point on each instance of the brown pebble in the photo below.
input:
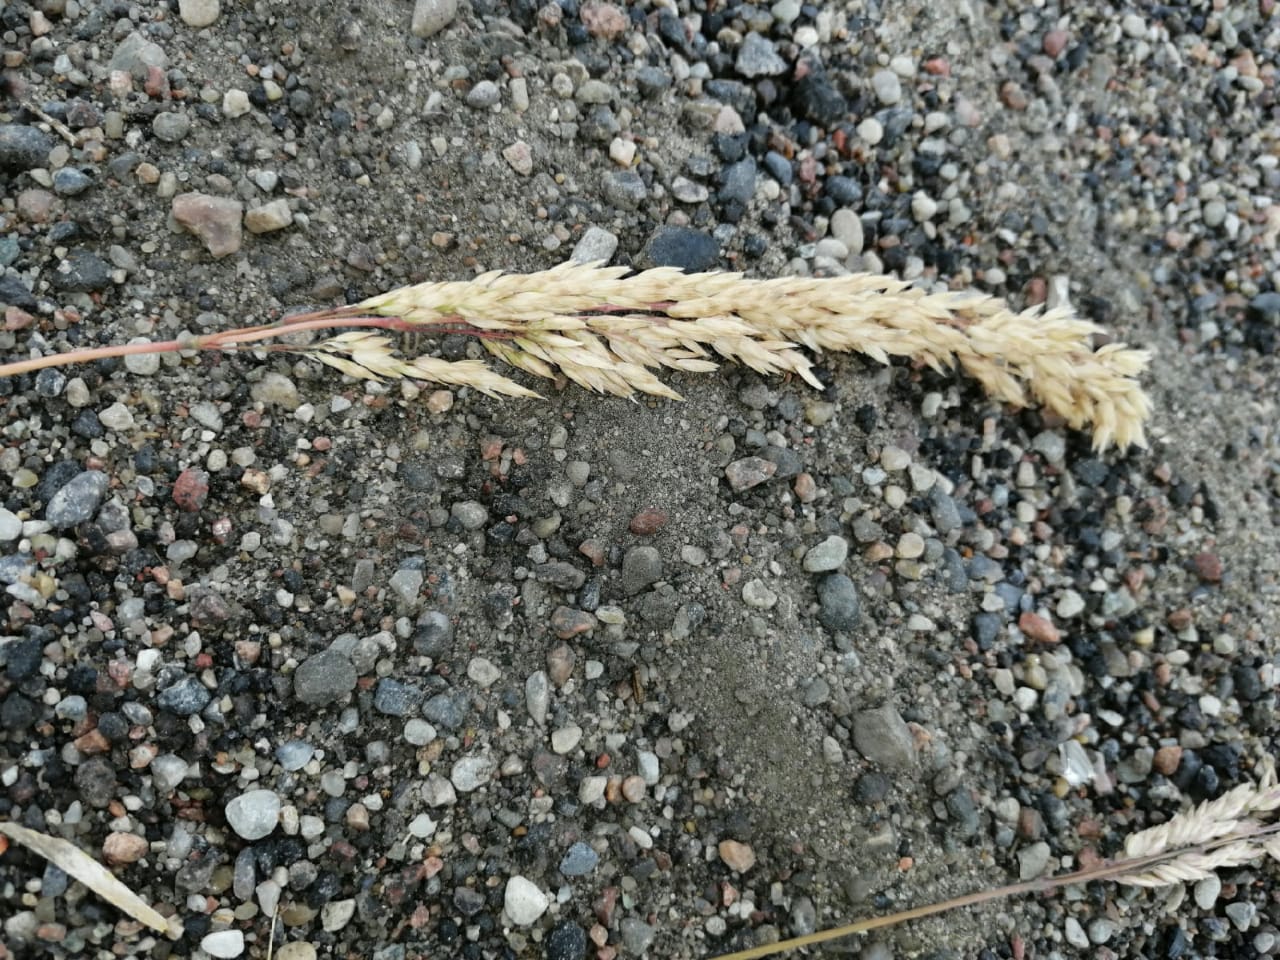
(593, 550)
(358, 817)
(737, 856)
(1030, 824)
(560, 664)
(191, 489)
(121, 848)
(1038, 628)
(805, 489)
(1208, 567)
(633, 789)
(604, 20)
(92, 743)
(51, 932)
(648, 522)
(35, 206)
(256, 481)
(1055, 41)
(568, 622)
(613, 789)
(1013, 96)
(1167, 759)
(1180, 619)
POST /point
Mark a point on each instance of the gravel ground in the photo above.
(421, 673)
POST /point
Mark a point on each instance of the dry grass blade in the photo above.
(75, 862)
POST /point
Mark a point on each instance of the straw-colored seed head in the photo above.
(609, 332)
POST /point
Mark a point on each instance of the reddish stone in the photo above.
(92, 743)
(648, 522)
(157, 83)
(1180, 619)
(1208, 567)
(1055, 41)
(121, 848)
(568, 622)
(1167, 759)
(604, 20)
(35, 206)
(1038, 628)
(191, 489)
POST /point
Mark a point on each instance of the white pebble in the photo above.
(524, 901)
(224, 944)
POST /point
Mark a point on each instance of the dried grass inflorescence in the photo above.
(1237, 828)
(609, 332)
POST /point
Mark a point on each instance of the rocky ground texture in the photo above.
(388, 671)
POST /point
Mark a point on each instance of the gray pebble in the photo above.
(294, 754)
(827, 555)
(78, 501)
(636, 935)
(596, 244)
(447, 710)
(70, 182)
(434, 635)
(172, 126)
(758, 58)
(432, 16)
(405, 584)
(185, 698)
(537, 696)
(324, 678)
(470, 514)
(883, 737)
(167, 771)
(483, 95)
(472, 773)
(641, 567)
(579, 860)
(840, 608)
(10, 525)
(23, 147)
(82, 272)
(624, 189)
(135, 54)
(396, 699)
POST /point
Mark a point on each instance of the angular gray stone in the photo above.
(758, 58)
(840, 609)
(324, 678)
(135, 54)
(749, 472)
(78, 501)
(23, 147)
(641, 567)
(883, 737)
(827, 555)
(432, 16)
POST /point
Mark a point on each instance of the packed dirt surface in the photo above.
(392, 671)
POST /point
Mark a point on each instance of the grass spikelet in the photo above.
(1238, 828)
(609, 331)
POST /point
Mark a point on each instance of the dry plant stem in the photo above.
(1128, 871)
(226, 340)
